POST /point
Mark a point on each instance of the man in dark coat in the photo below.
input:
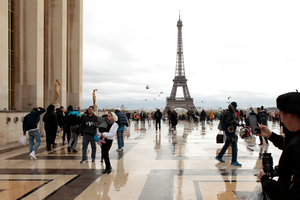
(157, 116)
(288, 184)
(50, 126)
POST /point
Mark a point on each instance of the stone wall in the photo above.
(11, 126)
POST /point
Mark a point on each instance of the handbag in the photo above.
(219, 138)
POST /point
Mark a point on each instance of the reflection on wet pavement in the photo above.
(153, 165)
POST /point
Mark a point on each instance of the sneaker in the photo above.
(236, 164)
(74, 151)
(83, 161)
(260, 144)
(32, 155)
(119, 150)
(219, 159)
(102, 141)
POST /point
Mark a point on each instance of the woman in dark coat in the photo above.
(50, 126)
(174, 120)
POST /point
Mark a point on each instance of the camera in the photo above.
(267, 162)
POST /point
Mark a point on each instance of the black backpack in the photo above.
(73, 119)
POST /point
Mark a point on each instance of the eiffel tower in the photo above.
(180, 81)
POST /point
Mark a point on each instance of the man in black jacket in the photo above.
(60, 116)
(88, 128)
(230, 121)
(262, 119)
(50, 126)
(30, 124)
(288, 184)
(157, 116)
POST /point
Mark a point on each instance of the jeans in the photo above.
(120, 139)
(35, 134)
(74, 137)
(229, 137)
(86, 140)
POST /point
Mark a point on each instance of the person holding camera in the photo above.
(288, 184)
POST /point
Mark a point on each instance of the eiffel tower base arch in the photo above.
(180, 103)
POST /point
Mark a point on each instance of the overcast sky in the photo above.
(249, 50)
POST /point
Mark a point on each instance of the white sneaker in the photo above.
(32, 155)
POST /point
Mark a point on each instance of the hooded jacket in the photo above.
(87, 125)
(60, 117)
(50, 120)
(229, 117)
(32, 119)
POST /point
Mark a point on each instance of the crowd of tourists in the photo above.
(75, 125)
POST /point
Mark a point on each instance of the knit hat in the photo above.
(115, 117)
(289, 102)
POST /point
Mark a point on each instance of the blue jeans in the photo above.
(35, 134)
(120, 139)
(229, 141)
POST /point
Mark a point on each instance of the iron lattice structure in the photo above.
(180, 81)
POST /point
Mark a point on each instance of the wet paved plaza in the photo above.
(153, 165)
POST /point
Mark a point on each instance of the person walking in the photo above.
(211, 115)
(229, 119)
(88, 128)
(30, 124)
(262, 119)
(287, 186)
(50, 126)
(128, 117)
(66, 126)
(109, 137)
(203, 116)
(174, 120)
(169, 116)
(157, 117)
(122, 122)
(143, 116)
(73, 121)
(60, 118)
